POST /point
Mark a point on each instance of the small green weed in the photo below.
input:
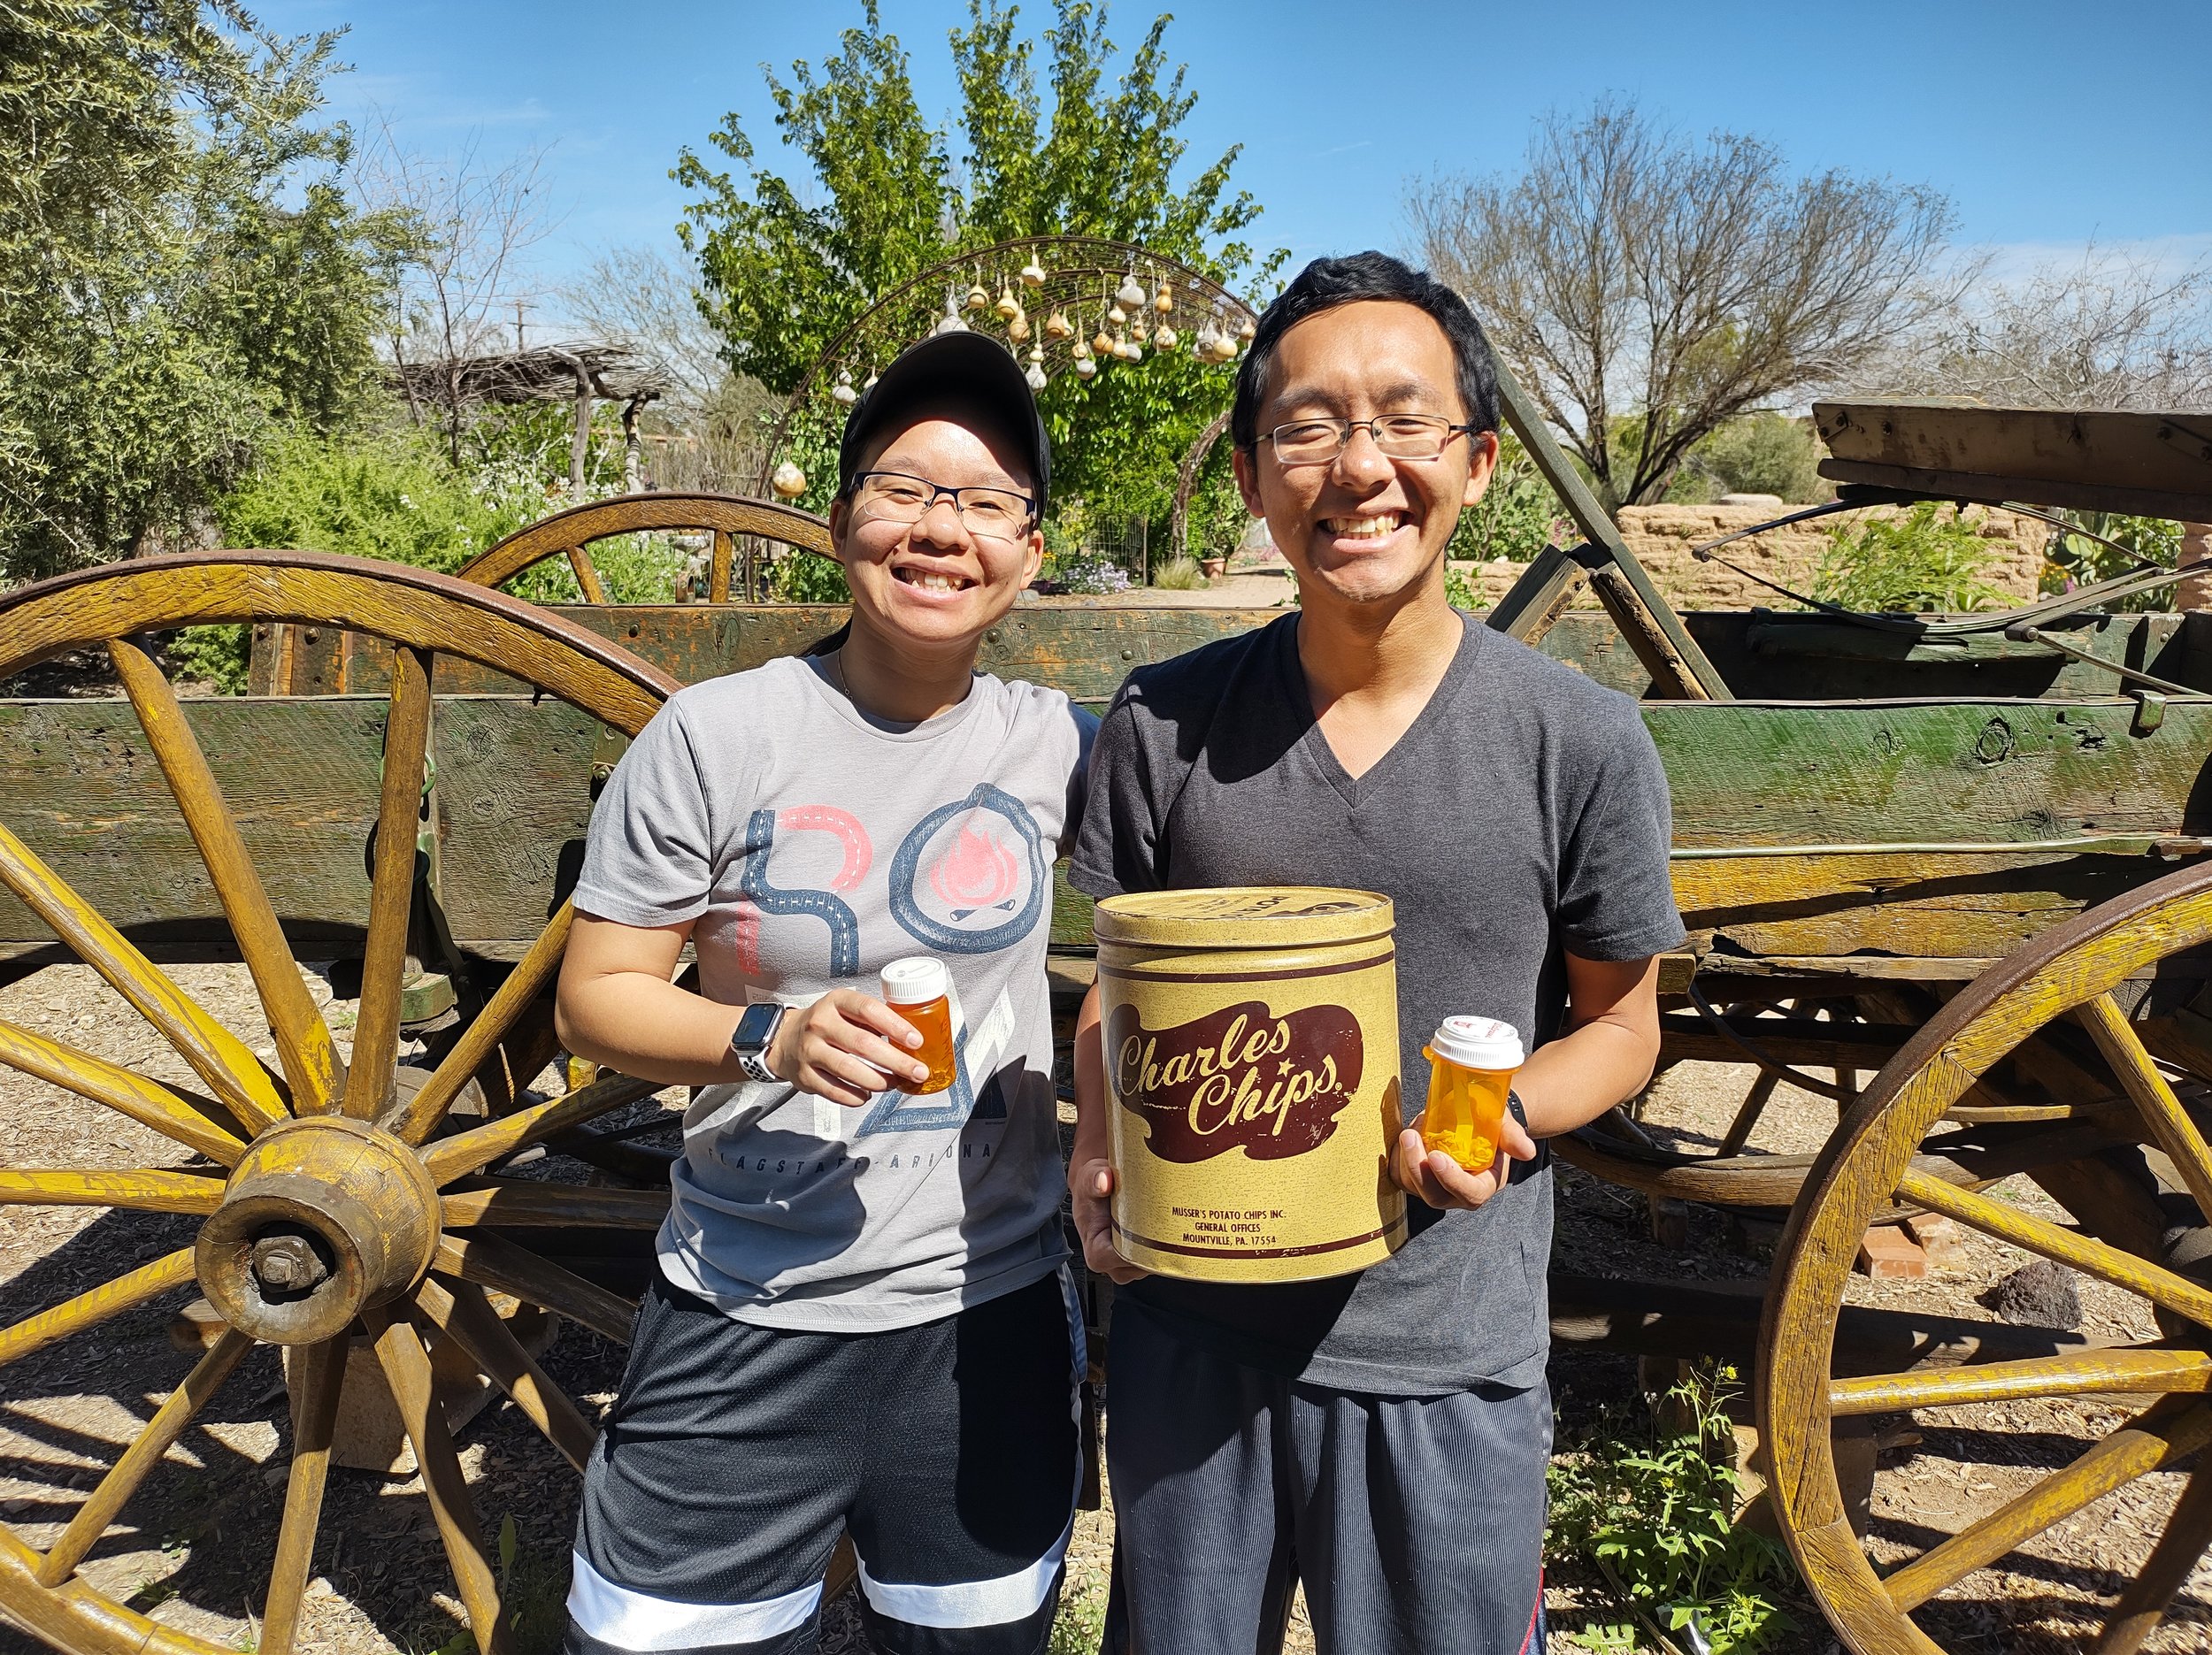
(1081, 1622)
(1659, 1520)
(1930, 561)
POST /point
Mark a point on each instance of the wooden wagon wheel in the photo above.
(2090, 974)
(334, 1200)
(569, 534)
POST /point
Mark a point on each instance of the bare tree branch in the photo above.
(2116, 328)
(1646, 289)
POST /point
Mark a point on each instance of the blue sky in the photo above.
(2048, 125)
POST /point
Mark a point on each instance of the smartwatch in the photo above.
(748, 1041)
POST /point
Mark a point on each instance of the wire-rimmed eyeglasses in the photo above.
(1396, 437)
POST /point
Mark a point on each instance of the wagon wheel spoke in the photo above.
(304, 1048)
(2170, 1124)
(1748, 1114)
(217, 1056)
(587, 575)
(2163, 1433)
(456, 1157)
(2109, 1264)
(554, 1207)
(95, 1306)
(150, 1190)
(175, 1115)
(406, 1365)
(368, 1090)
(462, 1313)
(2080, 1373)
(500, 1265)
(479, 1044)
(2143, 1604)
(144, 1454)
(320, 1374)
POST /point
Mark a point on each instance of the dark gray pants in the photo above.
(1417, 1523)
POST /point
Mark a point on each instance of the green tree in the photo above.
(180, 274)
(786, 267)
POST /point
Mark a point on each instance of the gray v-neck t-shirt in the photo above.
(1523, 813)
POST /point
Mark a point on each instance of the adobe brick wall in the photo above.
(1661, 538)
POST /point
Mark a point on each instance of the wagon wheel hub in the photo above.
(324, 1217)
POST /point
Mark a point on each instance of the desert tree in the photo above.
(2114, 327)
(471, 221)
(1646, 288)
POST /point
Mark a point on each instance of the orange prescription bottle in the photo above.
(919, 991)
(1472, 1065)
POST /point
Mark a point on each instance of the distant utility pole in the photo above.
(518, 303)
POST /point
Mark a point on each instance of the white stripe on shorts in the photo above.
(633, 1619)
(1014, 1597)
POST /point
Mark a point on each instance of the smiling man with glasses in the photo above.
(1382, 1435)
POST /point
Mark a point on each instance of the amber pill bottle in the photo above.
(1472, 1065)
(919, 991)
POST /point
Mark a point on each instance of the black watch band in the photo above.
(1513, 1103)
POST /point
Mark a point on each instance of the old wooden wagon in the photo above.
(1965, 856)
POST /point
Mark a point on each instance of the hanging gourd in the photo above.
(1117, 316)
(1057, 326)
(1165, 337)
(950, 322)
(1104, 342)
(1164, 301)
(1086, 366)
(1036, 378)
(1133, 352)
(788, 481)
(1033, 274)
(842, 391)
(978, 298)
(1018, 329)
(869, 384)
(1008, 307)
(1130, 293)
(1247, 328)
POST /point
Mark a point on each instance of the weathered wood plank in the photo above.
(513, 781)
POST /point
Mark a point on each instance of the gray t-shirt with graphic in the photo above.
(812, 846)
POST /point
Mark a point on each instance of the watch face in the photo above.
(755, 1027)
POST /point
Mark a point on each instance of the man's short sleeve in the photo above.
(1616, 894)
(1085, 723)
(1117, 849)
(649, 859)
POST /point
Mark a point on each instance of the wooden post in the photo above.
(630, 447)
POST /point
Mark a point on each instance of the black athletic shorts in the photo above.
(736, 1454)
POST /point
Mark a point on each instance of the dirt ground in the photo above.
(198, 1547)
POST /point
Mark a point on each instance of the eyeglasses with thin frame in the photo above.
(901, 497)
(1396, 437)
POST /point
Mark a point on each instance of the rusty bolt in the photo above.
(287, 1264)
(600, 772)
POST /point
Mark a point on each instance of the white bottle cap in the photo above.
(914, 981)
(1478, 1043)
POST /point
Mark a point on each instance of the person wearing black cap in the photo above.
(861, 1321)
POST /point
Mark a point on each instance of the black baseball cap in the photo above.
(953, 369)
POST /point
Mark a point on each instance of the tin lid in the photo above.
(914, 981)
(1478, 1043)
(1242, 916)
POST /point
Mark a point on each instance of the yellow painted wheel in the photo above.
(2097, 1012)
(337, 1203)
(568, 536)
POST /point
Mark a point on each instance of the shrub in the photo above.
(1659, 1522)
(1518, 514)
(2077, 560)
(808, 577)
(1092, 576)
(1179, 574)
(1930, 561)
(1761, 453)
